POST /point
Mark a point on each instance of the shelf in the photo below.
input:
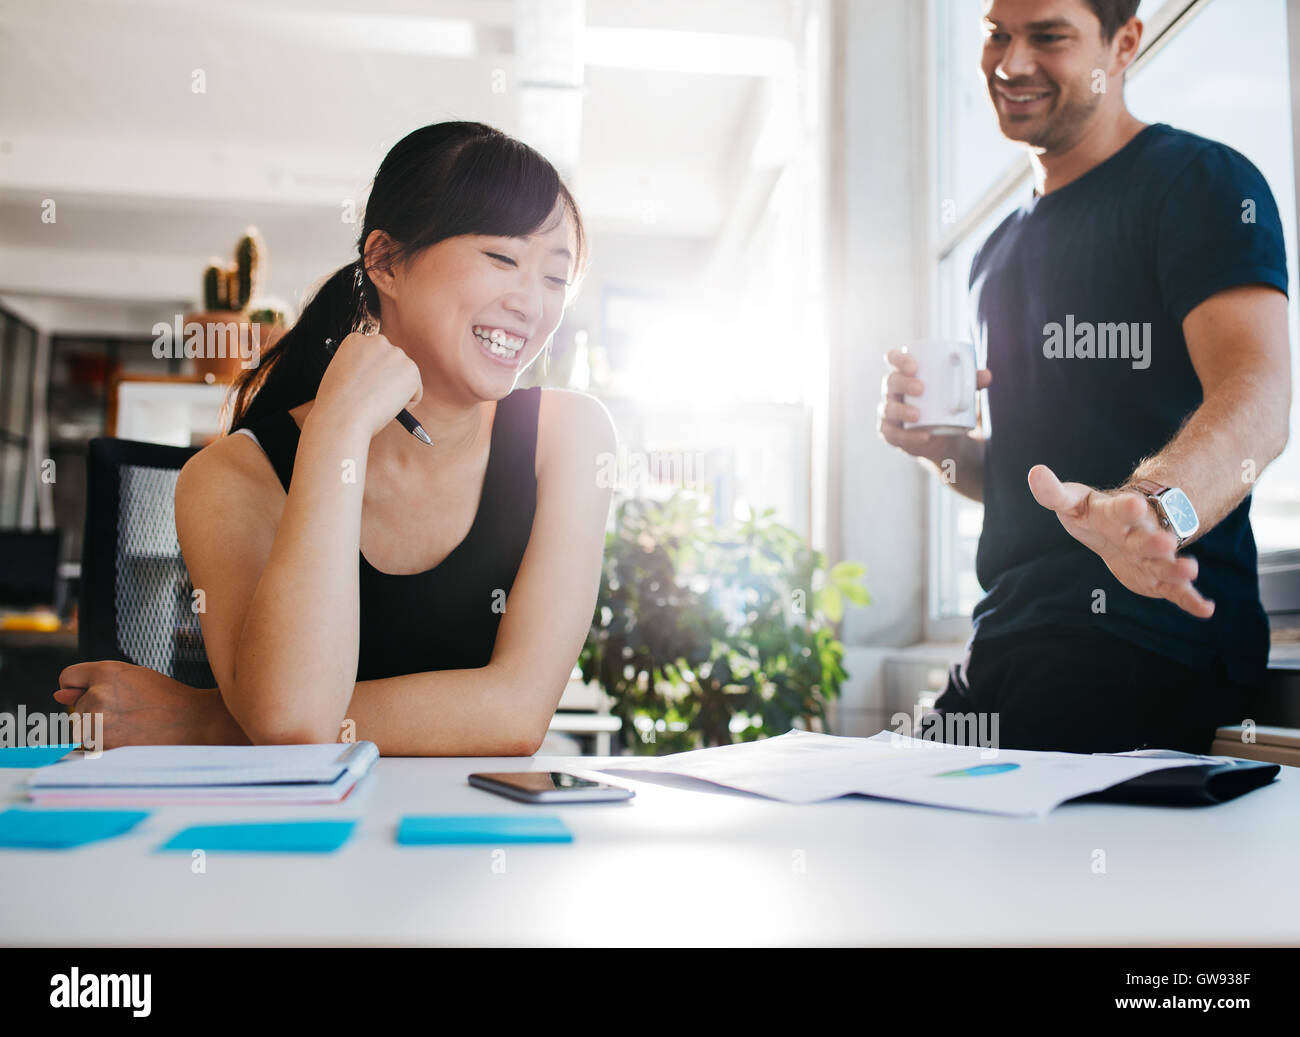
(64, 639)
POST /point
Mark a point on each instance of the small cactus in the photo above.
(214, 286)
(249, 255)
(233, 286)
(268, 315)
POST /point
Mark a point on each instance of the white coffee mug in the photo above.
(947, 371)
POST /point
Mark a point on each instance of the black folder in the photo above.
(1217, 781)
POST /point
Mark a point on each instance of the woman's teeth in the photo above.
(498, 342)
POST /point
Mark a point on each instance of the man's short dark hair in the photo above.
(1113, 15)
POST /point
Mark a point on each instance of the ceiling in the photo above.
(101, 112)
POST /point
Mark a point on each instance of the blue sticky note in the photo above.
(460, 829)
(264, 837)
(34, 755)
(63, 829)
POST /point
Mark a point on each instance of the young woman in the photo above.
(359, 582)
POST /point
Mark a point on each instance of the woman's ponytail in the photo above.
(290, 371)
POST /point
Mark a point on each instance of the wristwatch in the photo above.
(1172, 506)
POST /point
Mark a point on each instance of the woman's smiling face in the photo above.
(475, 310)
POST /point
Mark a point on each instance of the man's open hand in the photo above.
(1123, 530)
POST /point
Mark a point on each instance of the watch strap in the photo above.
(1149, 486)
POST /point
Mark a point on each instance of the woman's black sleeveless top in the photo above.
(445, 618)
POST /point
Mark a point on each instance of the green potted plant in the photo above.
(706, 635)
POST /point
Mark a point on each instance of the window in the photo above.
(1227, 76)
(712, 352)
(17, 356)
(955, 521)
(1221, 70)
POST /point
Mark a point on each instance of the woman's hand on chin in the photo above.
(367, 382)
(140, 706)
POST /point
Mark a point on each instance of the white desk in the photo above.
(681, 867)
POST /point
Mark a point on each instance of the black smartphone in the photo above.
(548, 787)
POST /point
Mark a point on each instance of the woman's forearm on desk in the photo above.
(301, 630)
(446, 713)
(479, 712)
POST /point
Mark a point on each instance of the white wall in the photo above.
(882, 507)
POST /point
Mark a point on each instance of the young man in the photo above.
(1134, 318)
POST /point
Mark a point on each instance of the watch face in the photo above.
(1179, 510)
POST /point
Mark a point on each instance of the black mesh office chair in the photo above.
(136, 597)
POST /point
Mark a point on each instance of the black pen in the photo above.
(404, 417)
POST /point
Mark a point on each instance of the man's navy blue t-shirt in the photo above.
(1078, 303)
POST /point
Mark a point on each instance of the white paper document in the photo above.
(804, 767)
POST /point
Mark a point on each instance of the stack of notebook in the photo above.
(146, 774)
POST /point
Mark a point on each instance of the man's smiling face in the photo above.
(1041, 61)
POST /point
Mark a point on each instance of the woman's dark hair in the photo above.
(438, 182)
